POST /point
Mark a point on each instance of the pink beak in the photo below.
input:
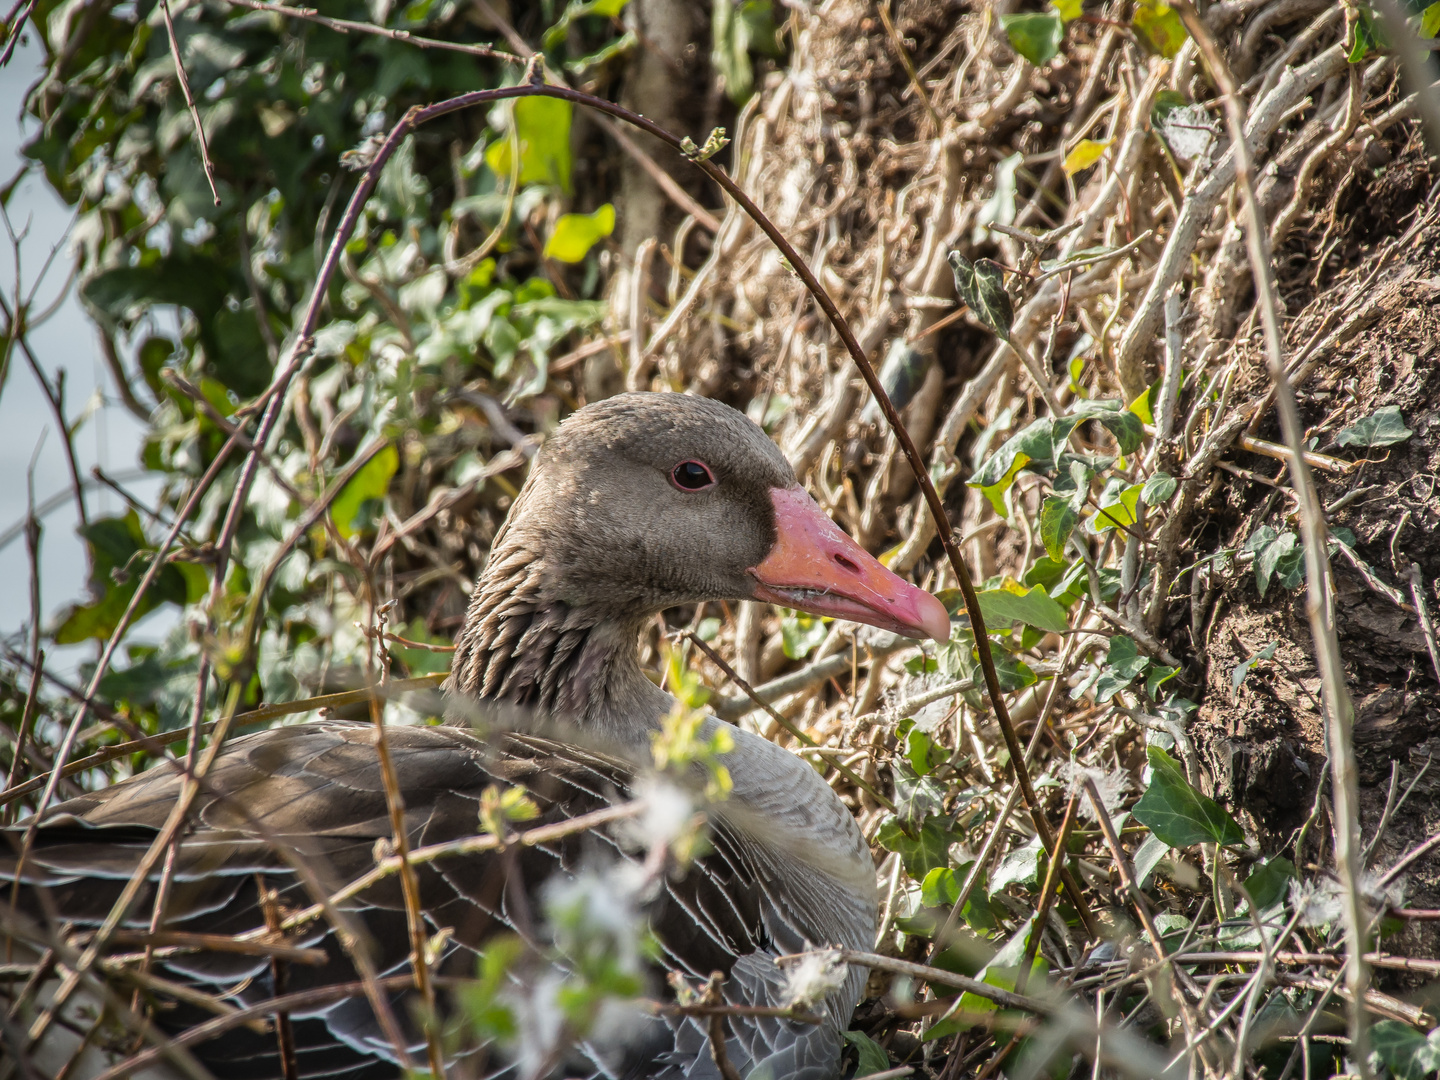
(816, 568)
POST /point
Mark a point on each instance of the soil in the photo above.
(1264, 743)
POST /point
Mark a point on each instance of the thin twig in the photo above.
(200, 139)
(1047, 892)
(470, 845)
(1417, 593)
(344, 26)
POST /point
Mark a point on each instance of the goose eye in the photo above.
(692, 476)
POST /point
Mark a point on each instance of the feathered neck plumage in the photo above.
(524, 647)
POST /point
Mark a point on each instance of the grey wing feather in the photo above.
(318, 787)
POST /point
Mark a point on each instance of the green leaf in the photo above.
(1012, 603)
(372, 481)
(1143, 406)
(922, 664)
(941, 888)
(1367, 35)
(1020, 866)
(871, 1055)
(1161, 27)
(1406, 1053)
(1177, 813)
(1158, 675)
(921, 849)
(1159, 488)
(736, 29)
(1123, 662)
(1039, 442)
(921, 752)
(800, 633)
(1117, 419)
(1068, 10)
(542, 127)
(1125, 658)
(1242, 669)
(1057, 521)
(119, 555)
(938, 892)
(184, 280)
(1035, 35)
(576, 234)
(1383, 427)
(1010, 671)
(1269, 882)
(1118, 509)
(981, 284)
(1003, 971)
(1148, 857)
(1430, 21)
(1276, 555)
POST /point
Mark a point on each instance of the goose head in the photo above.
(647, 501)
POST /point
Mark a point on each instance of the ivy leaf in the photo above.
(1158, 676)
(870, 1054)
(922, 664)
(1012, 603)
(921, 751)
(1086, 153)
(1011, 672)
(1117, 419)
(1148, 857)
(941, 888)
(1159, 488)
(1242, 669)
(1430, 21)
(917, 798)
(119, 556)
(555, 36)
(1276, 554)
(1406, 1053)
(1034, 35)
(1269, 882)
(1119, 509)
(1002, 971)
(1177, 813)
(576, 234)
(800, 633)
(1383, 427)
(1157, 22)
(1057, 521)
(1144, 404)
(371, 482)
(922, 849)
(1123, 662)
(1039, 442)
(982, 284)
(1021, 866)
(1367, 35)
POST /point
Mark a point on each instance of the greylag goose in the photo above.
(636, 504)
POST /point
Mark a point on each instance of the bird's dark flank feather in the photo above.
(597, 543)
